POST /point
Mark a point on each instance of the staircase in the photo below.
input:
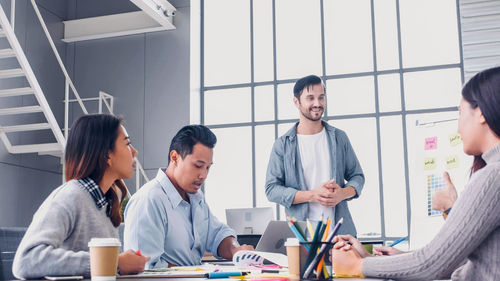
(14, 119)
(11, 118)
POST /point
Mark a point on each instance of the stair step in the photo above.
(15, 92)
(20, 110)
(25, 128)
(7, 53)
(2, 34)
(9, 73)
(43, 148)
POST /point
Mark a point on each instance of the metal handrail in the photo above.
(56, 53)
(69, 84)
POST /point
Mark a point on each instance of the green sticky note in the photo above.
(455, 139)
(430, 163)
(451, 162)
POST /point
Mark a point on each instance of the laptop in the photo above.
(275, 235)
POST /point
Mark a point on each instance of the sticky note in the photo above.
(451, 162)
(455, 139)
(430, 163)
(431, 143)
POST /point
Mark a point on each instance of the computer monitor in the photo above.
(249, 220)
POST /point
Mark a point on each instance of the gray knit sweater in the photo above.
(56, 240)
(468, 245)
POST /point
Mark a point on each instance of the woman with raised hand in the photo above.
(98, 156)
(467, 246)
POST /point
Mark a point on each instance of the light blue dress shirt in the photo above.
(170, 230)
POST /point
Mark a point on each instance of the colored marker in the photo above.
(138, 252)
(214, 275)
(398, 241)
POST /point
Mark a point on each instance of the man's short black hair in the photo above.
(190, 135)
(306, 82)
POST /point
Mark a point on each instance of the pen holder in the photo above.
(306, 258)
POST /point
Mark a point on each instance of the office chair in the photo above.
(10, 237)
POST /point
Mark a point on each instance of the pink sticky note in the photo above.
(431, 143)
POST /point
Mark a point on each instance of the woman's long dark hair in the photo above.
(90, 140)
(483, 90)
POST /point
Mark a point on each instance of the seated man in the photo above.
(168, 218)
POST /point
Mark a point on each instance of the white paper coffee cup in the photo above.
(292, 251)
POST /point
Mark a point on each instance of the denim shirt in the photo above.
(285, 175)
(170, 230)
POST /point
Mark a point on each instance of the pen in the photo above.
(398, 241)
(270, 271)
(213, 275)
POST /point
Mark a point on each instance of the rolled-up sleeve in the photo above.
(353, 172)
(217, 231)
(276, 191)
(145, 229)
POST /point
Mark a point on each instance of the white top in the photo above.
(315, 158)
(104, 242)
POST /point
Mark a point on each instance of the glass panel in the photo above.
(386, 34)
(393, 175)
(298, 38)
(264, 140)
(263, 40)
(432, 89)
(264, 103)
(429, 32)
(283, 128)
(227, 62)
(344, 96)
(227, 106)
(286, 107)
(363, 136)
(348, 36)
(230, 176)
(389, 92)
(282, 213)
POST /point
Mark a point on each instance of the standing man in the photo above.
(168, 218)
(313, 170)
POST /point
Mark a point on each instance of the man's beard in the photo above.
(309, 116)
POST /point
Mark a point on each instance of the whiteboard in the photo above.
(438, 148)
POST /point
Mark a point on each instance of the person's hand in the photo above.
(130, 262)
(325, 194)
(243, 247)
(386, 251)
(346, 263)
(444, 198)
(341, 243)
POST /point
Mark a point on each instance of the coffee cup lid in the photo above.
(104, 242)
(292, 242)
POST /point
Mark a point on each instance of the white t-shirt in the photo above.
(315, 158)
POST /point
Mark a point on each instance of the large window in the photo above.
(383, 61)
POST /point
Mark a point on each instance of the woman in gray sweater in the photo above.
(467, 247)
(98, 156)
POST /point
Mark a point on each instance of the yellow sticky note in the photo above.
(455, 139)
(430, 163)
(451, 162)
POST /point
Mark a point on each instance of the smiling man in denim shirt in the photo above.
(313, 170)
(168, 218)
